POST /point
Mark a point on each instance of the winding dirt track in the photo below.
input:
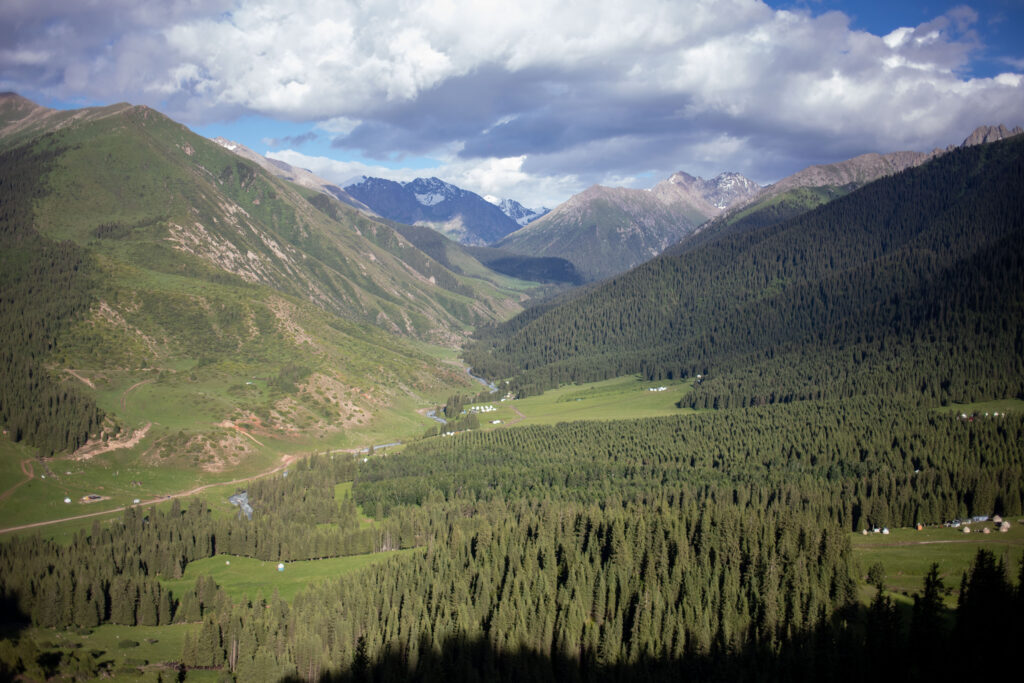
(124, 396)
(285, 461)
(26, 469)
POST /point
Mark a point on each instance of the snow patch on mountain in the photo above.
(430, 198)
(519, 213)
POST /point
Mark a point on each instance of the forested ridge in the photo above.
(854, 464)
(912, 285)
(44, 286)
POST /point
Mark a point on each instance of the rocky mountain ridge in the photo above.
(607, 230)
(865, 168)
(516, 211)
(294, 174)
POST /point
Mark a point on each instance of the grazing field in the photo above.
(907, 555)
(130, 653)
(243, 577)
(166, 411)
(621, 398)
(983, 407)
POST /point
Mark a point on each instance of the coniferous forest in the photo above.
(714, 547)
(910, 286)
(708, 546)
(44, 286)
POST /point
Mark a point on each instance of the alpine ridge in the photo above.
(604, 231)
(464, 216)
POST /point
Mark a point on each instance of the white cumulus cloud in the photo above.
(541, 96)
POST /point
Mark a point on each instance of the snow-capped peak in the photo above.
(519, 213)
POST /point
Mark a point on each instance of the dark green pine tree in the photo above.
(164, 611)
(209, 651)
(983, 612)
(148, 612)
(928, 636)
(883, 636)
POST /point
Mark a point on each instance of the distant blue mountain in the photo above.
(462, 215)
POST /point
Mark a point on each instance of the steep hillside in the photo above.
(446, 252)
(909, 286)
(817, 185)
(604, 231)
(299, 176)
(150, 181)
(235, 297)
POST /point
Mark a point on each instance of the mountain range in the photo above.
(179, 321)
(604, 231)
(196, 259)
(821, 183)
(464, 216)
(907, 286)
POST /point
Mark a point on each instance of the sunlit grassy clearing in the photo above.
(982, 407)
(622, 398)
(907, 555)
(245, 577)
(166, 645)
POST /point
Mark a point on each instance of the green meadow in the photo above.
(1005, 405)
(243, 577)
(621, 398)
(907, 555)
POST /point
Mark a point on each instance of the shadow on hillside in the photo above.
(840, 651)
(12, 619)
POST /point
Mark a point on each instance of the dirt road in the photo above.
(285, 461)
(124, 396)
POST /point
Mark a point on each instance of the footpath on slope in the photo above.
(285, 461)
(26, 467)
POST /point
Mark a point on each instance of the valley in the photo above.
(122, 477)
(704, 395)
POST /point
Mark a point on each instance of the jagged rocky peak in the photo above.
(516, 211)
(729, 187)
(431, 191)
(684, 179)
(983, 134)
(722, 191)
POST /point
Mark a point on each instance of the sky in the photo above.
(535, 100)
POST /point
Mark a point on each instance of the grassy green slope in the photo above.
(231, 321)
(135, 176)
